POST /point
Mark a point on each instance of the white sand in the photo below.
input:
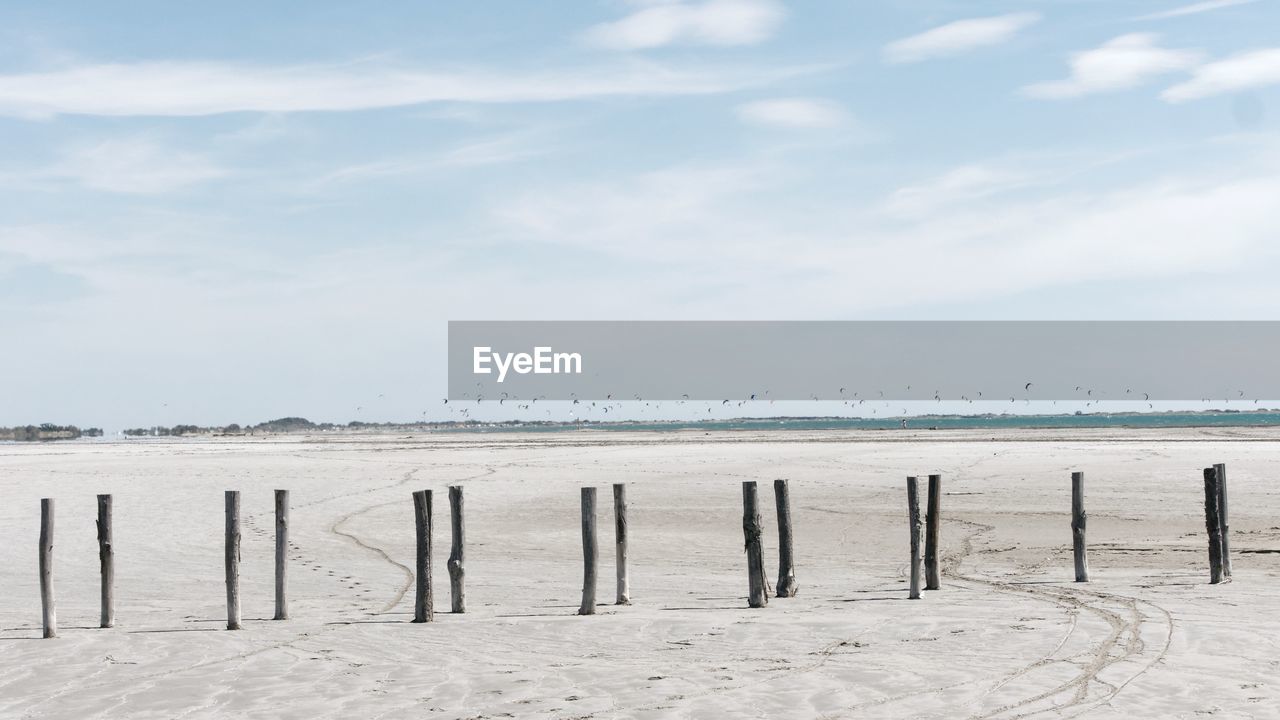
(1008, 636)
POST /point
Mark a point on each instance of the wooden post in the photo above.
(50, 615)
(590, 558)
(932, 534)
(620, 542)
(423, 602)
(107, 562)
(753, 531)
(1079, 518)
(913, 519)
(457, 572)
(1213, 524)
(232, 559)
(1221, 470)
(786, 562)
(282, 554)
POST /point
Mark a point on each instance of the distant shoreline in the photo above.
(984, 421)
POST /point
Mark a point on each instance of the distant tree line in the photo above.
(279, 425)
(47, 431)
(50, 431)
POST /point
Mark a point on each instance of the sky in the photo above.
(228, 212)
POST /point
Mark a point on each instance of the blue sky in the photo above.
(228, 212)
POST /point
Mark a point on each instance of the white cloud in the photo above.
(511, 148)
(793, 113)
(133, 165)
(713, 22)
(1119, 64)
(958, 37)
(961, 184)
(194, 88)
(1238, 72)
(1195, 9)
(731, 241)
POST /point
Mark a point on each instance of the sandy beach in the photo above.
(1009, 635)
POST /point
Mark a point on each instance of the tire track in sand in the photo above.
(1122, 644)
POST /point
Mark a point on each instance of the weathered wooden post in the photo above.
(232, 558)
(1078, 521)
(786, 562)
(1213, 524)
(913, 519)
(49, 613)
(932, 534)
(590, 555)
(457, 572)
(106, 562)
(620, 542)
(423, 602)
(282, 554)
(1221, 470)
(753, 531)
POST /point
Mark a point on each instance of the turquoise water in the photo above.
(941, 422)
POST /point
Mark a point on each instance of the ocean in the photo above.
(940, 422)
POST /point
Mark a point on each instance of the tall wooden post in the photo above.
(1221, 470)
(48, 612)
(232, 558)
(590, 554)
(106, 563)
(786, 561)
(913, 519)
(1213, 524)
(282, 554)
(620, 542)
(932, 534)
(423, 602)
(1078, 521)
(752, 529)
(457, 572)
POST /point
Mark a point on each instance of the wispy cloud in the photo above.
(135, 165)
(958, 37)
(1119, 64)
(961, 184)
(1195, 9)
(713, 228)
(713, 22)
(808, 113)
(1239, 72)
(211, 88)
(510, 148)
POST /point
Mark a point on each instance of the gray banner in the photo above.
(867, 360)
